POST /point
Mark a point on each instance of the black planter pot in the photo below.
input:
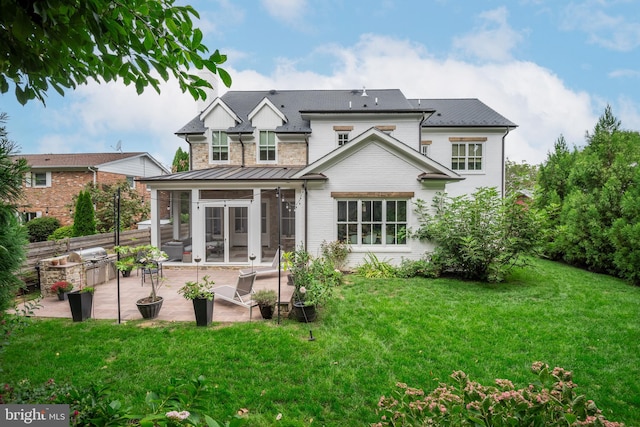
(203, 308)
(266, 311)
(304, 313)
(80, 304)
(126, 273)
(62, 296)
(149, 310)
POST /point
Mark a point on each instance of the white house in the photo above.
(299, 167)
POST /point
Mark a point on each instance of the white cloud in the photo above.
(625, 73)
(291, 12)
(612, 32)
(492, 40)
(527, 94)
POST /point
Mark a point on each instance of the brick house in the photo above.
(298, 167)
(54, 179)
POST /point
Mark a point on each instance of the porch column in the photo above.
(254, 241)
(197, 226)
(155, 218)
(175, 213)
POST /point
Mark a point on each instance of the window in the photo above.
(38, 179)
(267, 150)
(466, 156)
(288, 218)
(131, 182)
(343, 138)
(372, 222)
(425, 148)
(219, 146)
(240, 220)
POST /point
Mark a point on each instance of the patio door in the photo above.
(226, 233)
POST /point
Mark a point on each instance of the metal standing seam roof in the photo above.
(295, 103)
(233, 173)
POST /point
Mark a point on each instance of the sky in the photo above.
(550, 66)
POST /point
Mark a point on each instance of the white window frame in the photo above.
(371, 231)
(267, 133)
(342, 138)
(461, 162)
(31, 181)
(219, 134)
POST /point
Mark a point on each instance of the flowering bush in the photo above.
(313, 278)
(61, 287)
(552, 401)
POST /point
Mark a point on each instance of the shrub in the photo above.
(480, 237)
(418, 268)
(373, 268)
(550, 401)
(39, 229)
(62, 233)
(336, 252)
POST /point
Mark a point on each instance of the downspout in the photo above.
(95, 172)
(306, 141)
(503, 159)
(186, 138)
(242, 150)
(306, 214)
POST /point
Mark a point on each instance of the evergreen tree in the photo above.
(84, 222)
(13, 236)
(180, 161)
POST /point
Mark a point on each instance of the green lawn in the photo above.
(373, 334)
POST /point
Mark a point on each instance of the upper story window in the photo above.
(467, 153)
(38, 179)
(267, 146)
(343, 138)
(425, 148)
(219, 146)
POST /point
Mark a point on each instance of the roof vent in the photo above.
(364, 91)
(272, 92)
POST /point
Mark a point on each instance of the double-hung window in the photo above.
(467, 155)
(38, 179)
(365, 222)
(267, 146)
(219, 146)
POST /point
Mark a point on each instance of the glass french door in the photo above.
(226, 233)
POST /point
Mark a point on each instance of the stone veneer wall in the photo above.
(289, 154)
(72, 272)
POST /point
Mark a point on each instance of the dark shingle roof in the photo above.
(294, 104)
(74, 160)
(461, 112)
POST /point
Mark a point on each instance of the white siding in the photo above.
(133, 166)
(373, 168)
(491, 174)
(323, 139)
(219, 119)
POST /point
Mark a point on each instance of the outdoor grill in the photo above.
(98, 266)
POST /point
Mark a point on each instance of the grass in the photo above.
(373, 334)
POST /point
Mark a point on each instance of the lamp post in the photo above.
(252, 257)
(197, 259)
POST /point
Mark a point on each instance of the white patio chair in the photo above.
(266, 269)
(240, 294)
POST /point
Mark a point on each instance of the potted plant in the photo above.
(266, 300)
(201, 293)
(81, 302)
(61, 288)
(126, 260)
(147, 258)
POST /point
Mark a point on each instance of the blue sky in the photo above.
(550, 66)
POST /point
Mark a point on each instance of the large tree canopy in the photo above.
(64, 43)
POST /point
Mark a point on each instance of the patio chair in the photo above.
(240, 294)
(267, 269)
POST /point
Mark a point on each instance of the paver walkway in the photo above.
(174, 307)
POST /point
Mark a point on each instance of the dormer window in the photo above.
(267, 147)
(219, 146)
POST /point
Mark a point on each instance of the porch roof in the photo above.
(236, 173)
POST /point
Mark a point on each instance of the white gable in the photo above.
(266, 116)
(218, 115)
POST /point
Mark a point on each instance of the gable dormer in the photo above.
(265, 115)
(218, 115)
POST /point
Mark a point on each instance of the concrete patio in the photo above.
(174, 307)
